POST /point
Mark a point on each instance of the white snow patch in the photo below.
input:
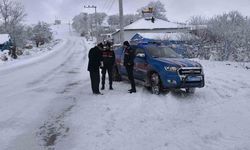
(148, 24)
(167, 36)
(4, 38)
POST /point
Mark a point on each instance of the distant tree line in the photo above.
(84, 23)
(12, 15)
(222, 37)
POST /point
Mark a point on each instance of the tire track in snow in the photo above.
(67, 54)
(54, 129)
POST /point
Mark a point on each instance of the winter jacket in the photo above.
(108, 58)
(95, 58)
(129, 56)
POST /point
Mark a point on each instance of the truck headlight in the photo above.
(172, 69)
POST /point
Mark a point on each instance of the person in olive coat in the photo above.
(129, 56)
(108, 57)
(95, 61)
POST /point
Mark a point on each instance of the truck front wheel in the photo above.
(190, 90)
(155, 84)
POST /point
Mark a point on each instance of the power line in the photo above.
(106, 2)
(86, 2)
(111, 6)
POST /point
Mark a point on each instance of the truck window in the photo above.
(139, 50)
(161, 51)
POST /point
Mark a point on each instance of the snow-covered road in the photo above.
(36, 90)
(46, 103)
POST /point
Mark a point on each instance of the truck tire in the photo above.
(155, 84)
(190, 90)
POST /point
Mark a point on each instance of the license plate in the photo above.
(194, 78)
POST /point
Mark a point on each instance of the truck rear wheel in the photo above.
(155, 84)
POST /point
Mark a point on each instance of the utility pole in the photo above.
(95, 7)
(121, 21)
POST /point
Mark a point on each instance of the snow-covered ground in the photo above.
(46, 103)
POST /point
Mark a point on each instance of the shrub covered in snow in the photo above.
(226, 37)
(41, 33)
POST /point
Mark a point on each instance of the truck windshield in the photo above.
(160, 51)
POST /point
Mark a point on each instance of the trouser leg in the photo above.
(131, 76)
(110, 73)
(92, 81)
(95, 81)
(104, 69)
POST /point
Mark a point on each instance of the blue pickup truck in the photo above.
(160, 68)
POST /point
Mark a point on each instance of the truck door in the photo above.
(123, 68)
(141, 65)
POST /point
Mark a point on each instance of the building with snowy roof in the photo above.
(5, 42)
(148, 26)
(4, 38)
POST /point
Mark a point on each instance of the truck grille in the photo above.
(190, 71)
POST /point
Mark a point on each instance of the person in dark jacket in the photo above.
(129, 56)
(108, 57)
(95, 61)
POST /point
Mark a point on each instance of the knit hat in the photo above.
(108, 44)
(100, 45)
(126, 43)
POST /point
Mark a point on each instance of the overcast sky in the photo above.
(177, 10)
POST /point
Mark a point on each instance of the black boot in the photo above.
(110, 87)
(132, 91)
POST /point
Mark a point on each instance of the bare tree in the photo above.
(197, 20)
(100, 17)
(158, 9)
(12, 14)
(84, 23)
(113, 20)
(42, 33)
(81, 23)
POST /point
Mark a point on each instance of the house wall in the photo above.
(128, 34)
